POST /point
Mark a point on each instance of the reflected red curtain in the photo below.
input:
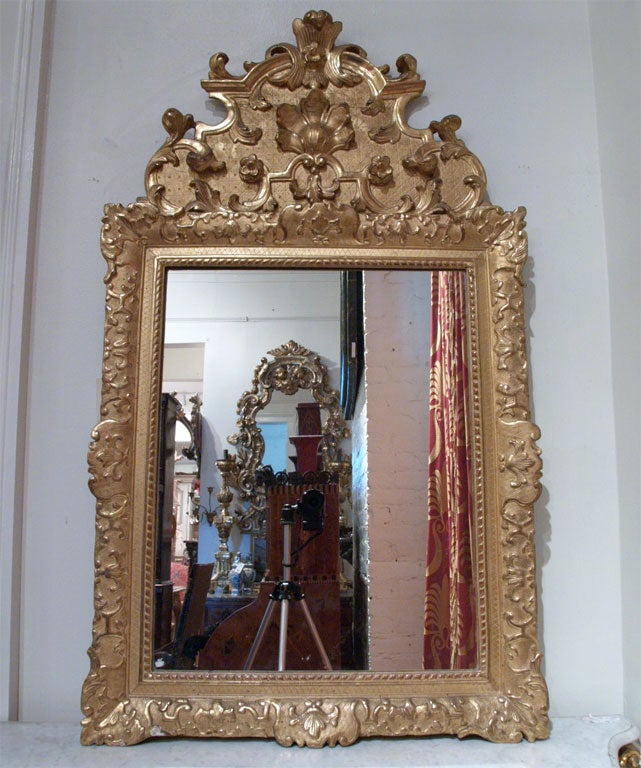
(450, 605)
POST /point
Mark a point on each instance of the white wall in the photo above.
(614, 29)
(521, 76)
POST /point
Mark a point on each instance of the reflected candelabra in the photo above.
(224, 520)
(221, 518)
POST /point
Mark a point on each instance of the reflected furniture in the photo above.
(169, 407)
(171, 412)
(308, 457)
(316, 569)
(192, 618)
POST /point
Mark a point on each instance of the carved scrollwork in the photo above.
(199, 158)
(315, 128)
(318, 722)
(509, 253)
(316, 62)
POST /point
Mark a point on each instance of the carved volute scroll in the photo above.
(292, 368)
(314, 165)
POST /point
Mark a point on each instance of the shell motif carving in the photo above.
(314, 151)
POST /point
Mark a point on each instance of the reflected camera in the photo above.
(310, 507)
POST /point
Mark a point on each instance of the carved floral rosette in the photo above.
(315, 152)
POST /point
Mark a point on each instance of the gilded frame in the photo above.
(317, 117)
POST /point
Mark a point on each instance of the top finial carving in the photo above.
(316, 62)
(316, 34)
(313, 63)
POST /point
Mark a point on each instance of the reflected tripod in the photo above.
(283, 592)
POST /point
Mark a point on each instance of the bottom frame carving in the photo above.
(317, 723)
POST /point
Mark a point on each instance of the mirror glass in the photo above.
(373, 569)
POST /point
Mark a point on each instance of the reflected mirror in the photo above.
(385, 578)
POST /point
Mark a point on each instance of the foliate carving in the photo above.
(424, 161)
(199, 158)
(519, 462)
(508, 255)
(521, 470)
(323, 224)
(519, 465)
(289, 349)
(316, 722)
(292, 368)
(317, 117)
(110, 458)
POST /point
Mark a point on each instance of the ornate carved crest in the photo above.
(317, 169)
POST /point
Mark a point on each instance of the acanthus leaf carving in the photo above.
(322, 223)
(424, 161)
(386, 134)
(317, 62)
(313, 718)
(509, 251)
(520, 460)
(315, 129)
(202, 160)
(322, 721)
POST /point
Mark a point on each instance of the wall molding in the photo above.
(16, 237)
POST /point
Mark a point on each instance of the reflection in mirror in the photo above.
(386, 564)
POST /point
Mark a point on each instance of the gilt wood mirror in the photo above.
(312, 181)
